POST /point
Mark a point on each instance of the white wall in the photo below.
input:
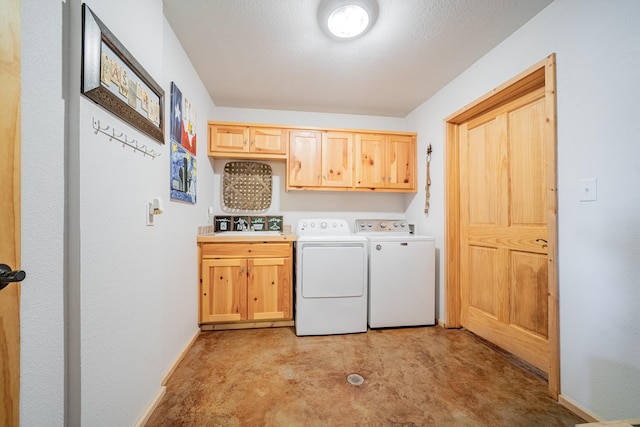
(138, 293)
(43, 198)
(598, 63)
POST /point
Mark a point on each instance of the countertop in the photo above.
(225, 237)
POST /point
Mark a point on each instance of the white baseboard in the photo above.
(154, 404)
(179, 359)
(163, 387)
(579, 411)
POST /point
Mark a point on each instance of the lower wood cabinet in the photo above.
(245, 282)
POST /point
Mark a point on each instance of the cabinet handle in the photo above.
(318, 178)
(242, 269)
(248, 269)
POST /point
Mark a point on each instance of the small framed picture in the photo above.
(223, 223)
(274, 223)
(240, 223)
(258, 223)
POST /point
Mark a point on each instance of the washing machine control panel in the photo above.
(382, 226)
(328, 227)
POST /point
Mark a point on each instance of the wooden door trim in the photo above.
(541, 74)
(10, 228)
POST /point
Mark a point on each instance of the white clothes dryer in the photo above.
(331, 278)
(401, 274)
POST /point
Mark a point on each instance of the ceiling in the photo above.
(272, 54)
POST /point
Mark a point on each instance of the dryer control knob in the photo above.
(383, 224)
(323, 225)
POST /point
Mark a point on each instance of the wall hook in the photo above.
(124, 139)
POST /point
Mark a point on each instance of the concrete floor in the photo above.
(426, 376)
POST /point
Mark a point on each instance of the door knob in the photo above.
(7, 275)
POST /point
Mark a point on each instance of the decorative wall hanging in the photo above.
(113, 78)
(427, 187)
(183, 120)
(124, 139)
(183, 147)
(183, 174)
(246, 186)
(245, 223)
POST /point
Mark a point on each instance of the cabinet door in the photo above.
(370, 161)
(265, 140)
(229, 138)
(269, 288)
(400, 162)
(224, 290)
(337, 159)
(305, 159)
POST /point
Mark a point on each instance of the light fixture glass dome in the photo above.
(348, 21)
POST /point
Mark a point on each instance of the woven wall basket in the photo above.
(246, 186)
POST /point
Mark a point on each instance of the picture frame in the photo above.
(113, 78)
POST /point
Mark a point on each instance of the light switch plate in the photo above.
(588, 190)
(148, 214)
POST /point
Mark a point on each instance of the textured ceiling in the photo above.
(271, 54)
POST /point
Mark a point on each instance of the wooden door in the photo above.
(400, 161)
(224, 290)
(10, 209)
(268, 288)
(370, 161)
(267, 140)
(503, 217)
(229, 138)
(305, 166)
(337, 163)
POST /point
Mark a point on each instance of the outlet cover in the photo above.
(588, 190)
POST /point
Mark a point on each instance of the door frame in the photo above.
(541, 74)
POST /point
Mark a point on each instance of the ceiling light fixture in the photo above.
(347, 19)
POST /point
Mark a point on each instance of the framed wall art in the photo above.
(183, 120)
(183, 174)
(112, 78)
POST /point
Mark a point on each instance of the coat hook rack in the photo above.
(124, 139)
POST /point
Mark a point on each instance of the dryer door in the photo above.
(331, 270)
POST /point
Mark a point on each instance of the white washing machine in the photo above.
(401, 274)
(331, 278)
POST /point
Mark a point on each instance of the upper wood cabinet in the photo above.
(337, 159)
(238, 140)
(305, 161)
(385, 162)
(320, 159)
